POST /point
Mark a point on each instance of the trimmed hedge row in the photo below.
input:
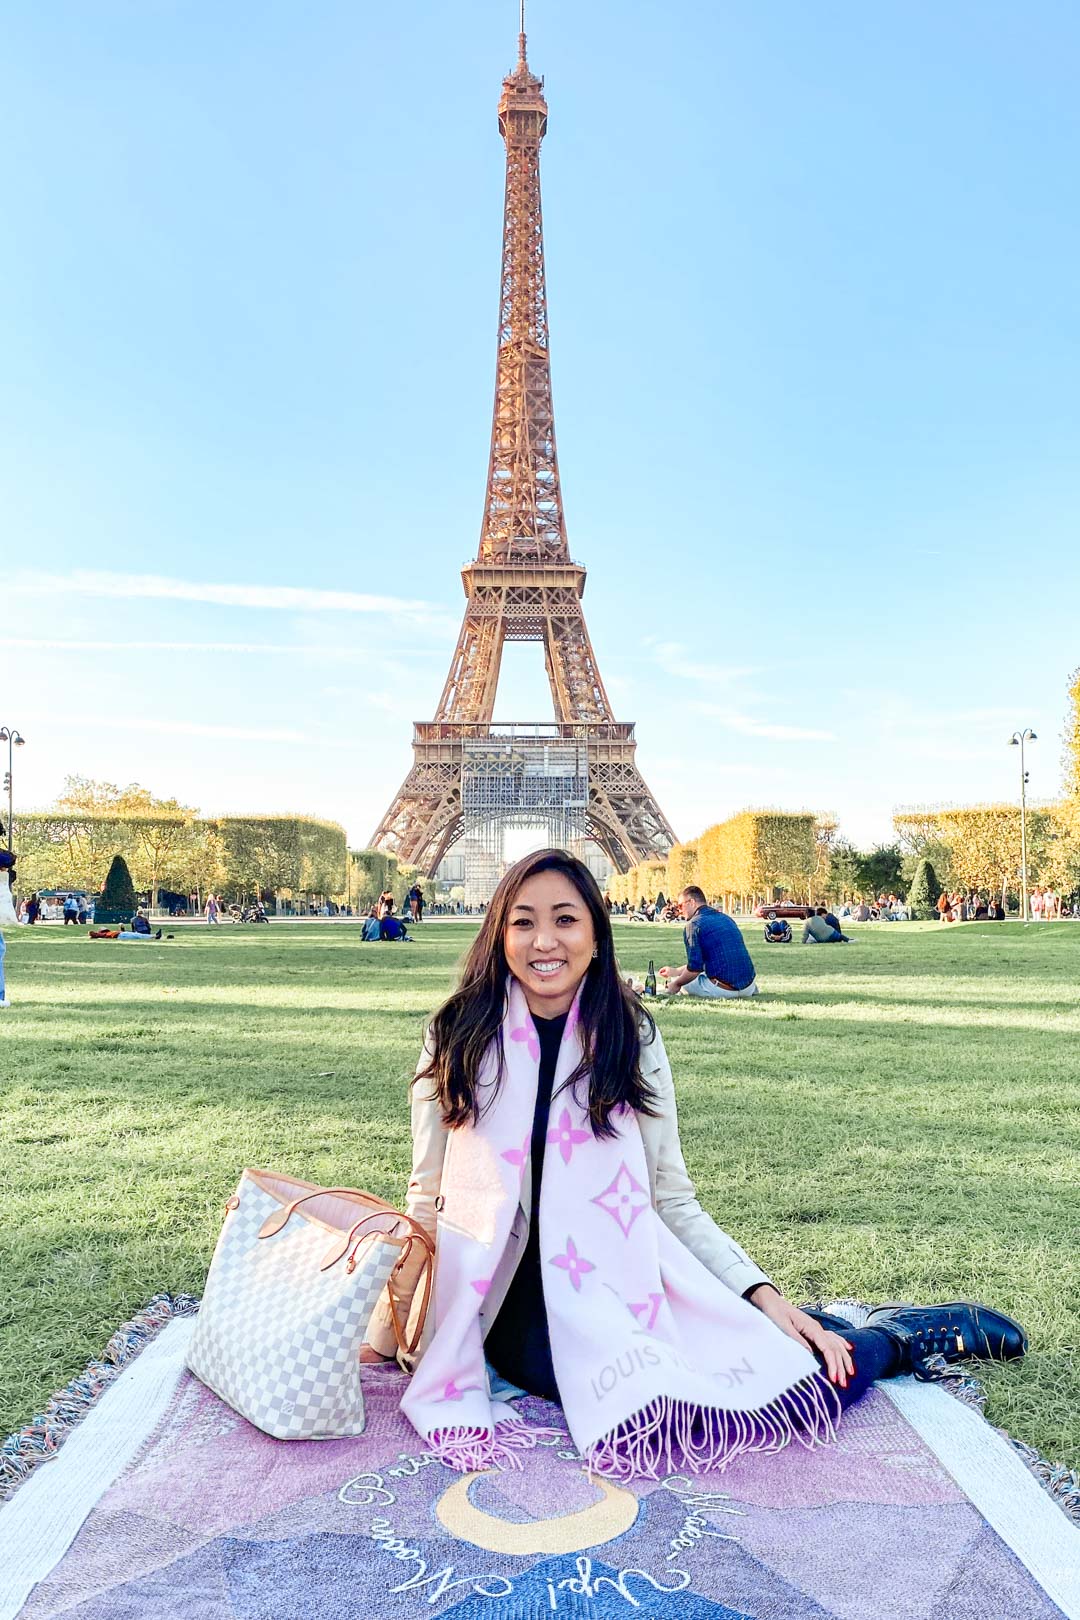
(236, 855)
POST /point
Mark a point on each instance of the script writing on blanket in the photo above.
(581, 1584)
(695, 1526)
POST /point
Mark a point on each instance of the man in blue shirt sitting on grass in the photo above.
(718, 965)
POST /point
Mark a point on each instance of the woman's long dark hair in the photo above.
(611, 1017)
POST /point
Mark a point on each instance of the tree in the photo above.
(117, 901)
(1072, 740)
(985, 844)
(843, 876)
(826, 830)
(1068, 812)
(682, 869)
(940, 857)
(373, 871)
(298, 855)
(916, 829)
(879, 870)
(925, 889)
(756, 852)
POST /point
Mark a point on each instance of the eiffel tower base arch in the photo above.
(578, 779)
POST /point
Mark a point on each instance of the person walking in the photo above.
(71, 909)
(211, 910)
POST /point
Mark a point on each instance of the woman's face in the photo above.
(549, 942)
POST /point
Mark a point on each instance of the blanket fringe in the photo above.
(681, 1436)
(46, 1432)
(477, 1450)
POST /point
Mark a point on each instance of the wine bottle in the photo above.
(650, 980)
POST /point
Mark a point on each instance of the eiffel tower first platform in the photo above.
(577, 773)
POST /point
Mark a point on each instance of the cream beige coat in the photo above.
(673, 1195)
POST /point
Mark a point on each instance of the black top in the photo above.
(517, 1344)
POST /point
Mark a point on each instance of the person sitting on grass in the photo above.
(718, 965)
(574, 1260)
(392, 927)
(372, 930)
(822, 929)
(833, 922)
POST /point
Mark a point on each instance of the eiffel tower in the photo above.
(576, 774)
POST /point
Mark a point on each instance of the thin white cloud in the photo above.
(288, 649)
(189, 728)
(393, 704)
(287, 598)
(749, 727)
(901, 714)
(673, 659)
(684, 769)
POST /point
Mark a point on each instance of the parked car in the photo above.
(782, 908)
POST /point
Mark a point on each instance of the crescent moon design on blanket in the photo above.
(615, 1512)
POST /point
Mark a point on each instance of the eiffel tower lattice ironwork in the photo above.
(523, 586)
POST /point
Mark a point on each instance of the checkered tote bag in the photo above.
(296, 1274)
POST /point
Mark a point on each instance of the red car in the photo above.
(782, 908)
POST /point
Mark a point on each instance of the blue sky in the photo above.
(815, 342)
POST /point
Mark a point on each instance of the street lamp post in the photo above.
(1017, 740)
(9, 735)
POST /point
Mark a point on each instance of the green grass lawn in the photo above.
(896, 1118)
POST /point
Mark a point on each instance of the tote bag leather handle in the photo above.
(416, 1235)
(279, 1218)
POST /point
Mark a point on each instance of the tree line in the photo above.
(170, 846)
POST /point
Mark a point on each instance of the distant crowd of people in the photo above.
(658, 910)
(970, 907)
(886, 908)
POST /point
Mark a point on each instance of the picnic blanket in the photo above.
(163, 1502)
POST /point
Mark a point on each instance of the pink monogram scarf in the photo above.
(659, 1365)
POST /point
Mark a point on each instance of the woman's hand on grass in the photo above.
(834, 1351)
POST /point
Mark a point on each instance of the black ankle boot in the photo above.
(950, 1332)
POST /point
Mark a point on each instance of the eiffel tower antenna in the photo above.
(576, 774)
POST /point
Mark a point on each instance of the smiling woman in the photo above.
(573, 1257)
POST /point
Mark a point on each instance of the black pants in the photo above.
(873, 1352)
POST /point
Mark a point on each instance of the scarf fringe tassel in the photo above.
(473, 1451)
(669, 1435)
(664, 1437)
